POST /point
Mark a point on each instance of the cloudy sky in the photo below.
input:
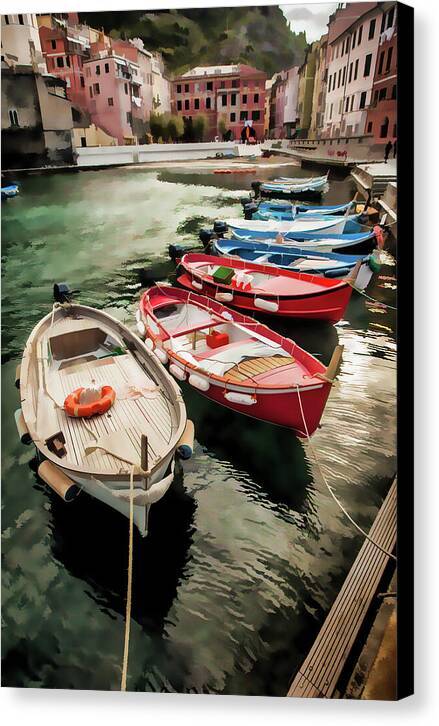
(312, 18)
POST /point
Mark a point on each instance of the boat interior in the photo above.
(91, 354)
(240, 355)
(266, 283)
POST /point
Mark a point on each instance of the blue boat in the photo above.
(10, 191)
(327, 264)
(288, 211)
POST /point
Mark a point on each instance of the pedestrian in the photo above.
(394, 149)
(387, 150)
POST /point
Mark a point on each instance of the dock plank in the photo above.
(319, 673)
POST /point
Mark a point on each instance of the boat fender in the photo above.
(17, 376)
(161, 355)
(198, 382)
(23, 431)
(149, 344)
(374, 263)
(152, 495)
(224, 296)
(140, 325)
(185, 446)
(339, 272)
(244, 399)
(177, 372)
(269, 305)
(196, 284)
(227, 315)
(58, 481)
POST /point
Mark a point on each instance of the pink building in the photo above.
(382, 113)
(65, 54)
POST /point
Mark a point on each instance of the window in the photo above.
(382, 94)
(351, 68)
(186, 87)
(186, 105)
(346, 107)
(356, 70)
(352, 102)
(244, 98)
(390, 23)
(389, 58)
(178, 87)
(339, 78)
(256, 115)
(68, 61)
(20, 20)
(381, 63)
(363, 100)
(233, 117)
(375, 98)
(209, 86)
(372, 28)
(235, 83)
(178, 105)
(13, 117)
(344, 76)
(347, 43)
(354, 38)
(369, 127)
(243, 116)
(233, 99)
(383, 23)
(53, 44)
(224, 100)
(81, 79)
(7, 19)
(208, 102)
(91, 91)
(110, 101)
(222, 84)
(129, 117)
(360, 34)
(107, 68)
(367, 64)
(393, 92)
(96, 89)
(256, 98)
(330, 111)
(60, 62)
(196, 103)
(98, 70)
(196, 87)
(68, 84)
(125, 87)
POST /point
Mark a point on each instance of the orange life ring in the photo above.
(72, 407)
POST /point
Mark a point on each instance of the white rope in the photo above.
(123, 684)
(330, 490)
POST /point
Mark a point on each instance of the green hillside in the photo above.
(259, 36)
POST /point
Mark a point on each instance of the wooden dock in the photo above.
(320, 672)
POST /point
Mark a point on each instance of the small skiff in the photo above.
(10, 191)
(290, 228)
(288, 207)
(326, 264)
(357, 243)
(100, 408)
(234, 360)
(314, 186)
(258, 287)
(290, 211)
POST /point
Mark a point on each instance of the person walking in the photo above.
(387, 150)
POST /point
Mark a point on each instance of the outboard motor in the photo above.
(206, 236)
(220, 228)
(176, 252)
(250, 209)
(256, 186)
(62, 293)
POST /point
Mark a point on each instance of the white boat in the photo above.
(75, 354)
(268, 229)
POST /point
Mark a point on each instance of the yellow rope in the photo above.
(123, 685)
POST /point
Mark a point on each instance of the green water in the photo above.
(247, 550)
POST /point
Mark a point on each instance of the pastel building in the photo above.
(307, 72)
(65, 52)
(20, 41)
(277, 105)
(352, 55)
(227, 95)
(319, 90)
(381, 120)
(291, 94)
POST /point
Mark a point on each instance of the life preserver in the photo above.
(74, 408)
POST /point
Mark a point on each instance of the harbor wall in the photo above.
(140, 154)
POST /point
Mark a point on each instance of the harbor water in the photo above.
(247, 550)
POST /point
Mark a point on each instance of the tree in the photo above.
(200, 126)
(156, 125)
(222, 126)
(175, 127)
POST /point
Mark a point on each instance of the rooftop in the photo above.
(221, 70)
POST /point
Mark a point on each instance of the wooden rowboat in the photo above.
(235, 360)
(77, 347)
(264, 288)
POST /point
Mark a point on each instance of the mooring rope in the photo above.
(123, 684)
(330, 490)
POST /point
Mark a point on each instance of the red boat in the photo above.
(265, 288)
(234, 360)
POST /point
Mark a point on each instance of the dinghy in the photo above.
(286, 212)
(290, 229)
(313, 186)
(300, 179)
(9, 191)
(259, 287)
(100, 408)
(329, 264)
(234, 360)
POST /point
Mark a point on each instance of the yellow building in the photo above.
(319, 92)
